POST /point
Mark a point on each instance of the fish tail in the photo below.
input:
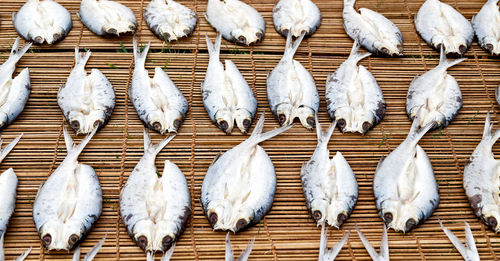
(384, 245)
(2, 254)
(447, 63)
(214, 49)
(5, 151)
(76, 150)
(93, 252)
(488, 133)
(229, 250)
(257, 135)
(416, 133)
(454, 240)
(16, 53)
(349, 3)
(24, 255)
(140, 57)
(368, 246)
(167, 255)
(324, 136)
(81, 60)
(246, 253)
(291, 47)
(150, 256)
(154, 149)
(355, 54)
(330, 254)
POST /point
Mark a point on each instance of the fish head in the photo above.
(491, 216)
(427, 116)
(223, 216)
(493, 47)
(247, 36)
(57, 235)
(165, 235)
(399, 216)
(85, 124)
(363, 121)
(453, 46)
(283, 112)
(390, 47)
(343, 116)
(243, 120)
(306, 116)
(165, 121)
(224, 120)
(143, 235)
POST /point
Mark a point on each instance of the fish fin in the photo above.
(155, 149)
(355, 54)
(384, 245)
(382, 158)
(469, 237)
(93, 252)
(335, 250)
(454, 240)
(445, 62)
(140, 57)
(416, 133)
(150, 256)
(76, 150)
(16, 53)
(24, 255)
(246, 253)
(229, 249)
(488, 130)
(324, 136)
(257, 135)
(81, 60)
(319, 131)
(330, 254)
(5, 151)
(323, 241)
(167, 255)
(349, 3)
(291, 48)
(76, 254)
(216, 158)
(2, 254)
(214, 48)
(368, 246)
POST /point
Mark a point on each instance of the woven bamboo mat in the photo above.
(288, 232)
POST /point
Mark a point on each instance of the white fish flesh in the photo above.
(482, 179)
(244, 254)
(384, 246)
(372, 30)
(238, 189)
(155, 209)
(329, 185)
(469, 252)
(91, 254)
(326, 254)
(2, 254)
(406, 192)
(226, 94)
(486, 24)
(435, 96)
(70, 202)
(86, 101)
(236, 21)
(170, 20)
(291, 90)
(8, 186)
(107, 18)
(158, 101)
(353, 97)
(297, 17)
(42, 21)
(440, 25)
(14, 92)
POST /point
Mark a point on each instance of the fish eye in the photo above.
(156, 126)
(142, 241)
(167, 242)
(492, 222)
(366, 126)
(410, 224)
(317, 215)
(46, 240)
(177, 123)
(213, 219)
(242, 223)
(341, 123)
(73, 239)
(388, 218)
(75, 125)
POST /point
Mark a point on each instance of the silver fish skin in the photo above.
(236, 21)
(238, 189)
(155, 209)
(481, 179)
(353, 97)
(158, 101)
(296, 16)
(440, 25)
(372, 30)
(14, 91)
(384, 246)
(329, 185)
(91, 254)
(469, 252)
(486, 24)
(497, 94)
(2, 254)
(291, 90)
(69, 203)
(229, 256)
(169, 20)
(406, 192)
(42, 21)
(435, 96)
(226, 94)
(86, 101)
(8, 186)
(107, 18)
(326, 254)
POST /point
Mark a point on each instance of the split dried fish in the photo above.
(170, 20)
(469, 252)
(353, 97)
(226, 94)
(384, 246)
(91, 254)
(435, 96)
(326, 254)
(8, 186)
(14, 92)
(406, 192)
(481, 179)
(329, 185)
(244, 254)
(440, 25)
(158, 101)
(107, 18)
(2, 254)
(486, 24)
(86, 101)
(155, 209)
(238, 189)
(236, 21)
(291, 90)
(372, 30)
(42, 21)
(297, 17)
(69, 203)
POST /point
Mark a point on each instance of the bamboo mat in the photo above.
(288, 232)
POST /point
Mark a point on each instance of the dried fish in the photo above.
(486, 24)
(170, 20)
(469, 253)
(297, 17)
(107, 18)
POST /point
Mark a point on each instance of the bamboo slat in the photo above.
(288, 232)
